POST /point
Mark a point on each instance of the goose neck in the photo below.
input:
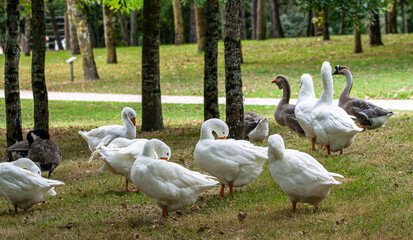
(206, 131)
(286, 92)
(349, 84)
(327, 95)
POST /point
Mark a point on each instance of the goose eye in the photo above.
(167, 154)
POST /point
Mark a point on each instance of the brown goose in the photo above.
(284, 113)
(368, 115)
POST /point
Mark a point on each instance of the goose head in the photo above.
(276, 147)
(35, 134)
(306, 85)
(27, 164)
(341, 70)
(129, 114)
(219, 127)
(155, 148)
(263, 123)
(280, 81)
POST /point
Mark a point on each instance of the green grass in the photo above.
(374, 201)
(383, 72)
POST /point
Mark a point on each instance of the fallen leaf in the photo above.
(124, 205)
(396, 184)
(241, 216)
(340, 221)
(68, 225)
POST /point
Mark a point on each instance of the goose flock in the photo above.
(230, 162)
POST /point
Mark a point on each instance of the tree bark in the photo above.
(392, 18)
(243, 21)
(357, 40)
(124, 29)
(233, 80)
(253, 19)
(133, 28)
(277, 30)
(341, 28)
(223, 21)
(54, 25)
(326, 32)
(374, 33)
(27, 48)
(310, 24)
(192, 30)
(11, 71)
(211, 107)
(151, 89)
(261, 20)
(40, 99)
(74, 43)
(67, 31)
(178, 22)
(200, 28)
(110, 30)
(79, 18)
(403, 13)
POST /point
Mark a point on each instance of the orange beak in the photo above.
(274, 81)
(166, 159)
(223, 138)
(133, 121)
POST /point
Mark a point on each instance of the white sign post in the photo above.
(70, 61)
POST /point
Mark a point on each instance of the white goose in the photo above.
(234, 162)
(169, 184)
(333, 127)
(119, 160)
(301, 177)
(22, 185)
(103, 135)
(255, 127)
(305, 103)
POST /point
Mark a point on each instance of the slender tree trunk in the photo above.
(11, 71)
(211, 107)
(261, 20)
(243, 21)
(109, 27)
(54, 25)
(133, 28)
(223, 21)
(318, 26)
(67, 31)
(27, 48)
(326, 32)
(310, 24)
(403, 13)
(123, 29)
(341, 28)
(233, 80)
(200, 28)
(357, 40)
(151, 89)
(392, 17)
(178, 22)
(386, 20)
(374, 33)
(79, 18)
(40, 99)
(253, 19)
(277, 30)
(192, 30)
(74, 42)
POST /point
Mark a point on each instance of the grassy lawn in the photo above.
(381, 72)
(374, 201)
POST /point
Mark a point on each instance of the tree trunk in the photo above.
(326, 33)
(277, 31)
(233, 81)
(261, 20)
(211, 107)
(27, 48)
(253, 19)
(374, 33)
(124, 29)
(74, 43)
(403, 13)
(200, 28)
(392, 17)
(357, 40)
(133, 28)
(54, 25)
(318, 26)
(341, 28)
(67, 31)
(223, 21)
(178, 22)
(41, 105)
(11, 71)
(310, 24)
(79, 18)
(151, 89)
(110, 30)
(192, 30)
(243, 21)
(386, 20)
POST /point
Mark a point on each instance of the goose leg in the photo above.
(165, 213)
(294, 205)
(313, 142)
(127, 186)
(328, 149)
(341, 152)
(221, 192)
(231, 187)
(15, 208)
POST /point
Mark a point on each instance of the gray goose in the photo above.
(284, 113)
(368, 115)
(255, 126)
